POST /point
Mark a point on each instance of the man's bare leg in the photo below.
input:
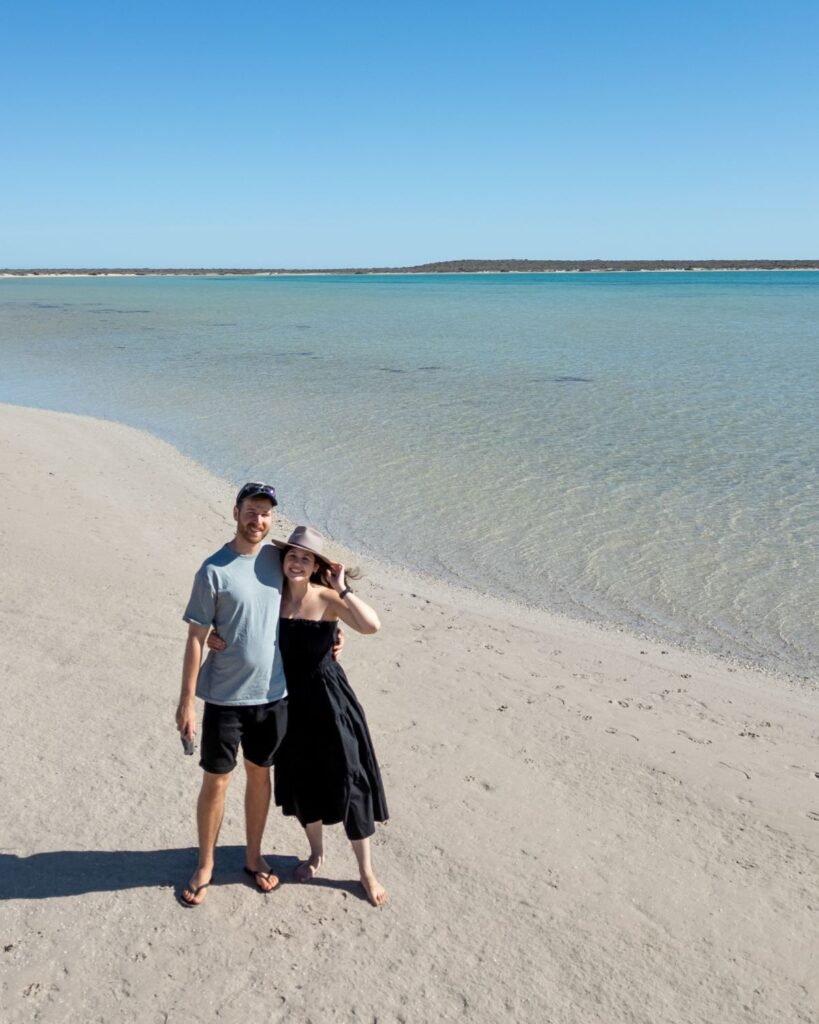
(376, 893)
(308, 869)
(210, 809)
(257, 804)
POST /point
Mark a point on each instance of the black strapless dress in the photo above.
(325, 767)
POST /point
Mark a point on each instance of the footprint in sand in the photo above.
(660, 771)
(618, 732)
(484, 785)
(694, 739)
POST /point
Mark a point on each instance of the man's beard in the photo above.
(252, 536)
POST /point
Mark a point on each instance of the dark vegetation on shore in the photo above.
(449, 267)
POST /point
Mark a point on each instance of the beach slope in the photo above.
(587, 827)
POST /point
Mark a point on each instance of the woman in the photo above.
(326, 771)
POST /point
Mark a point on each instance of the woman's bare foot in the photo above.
(195, 891)
(376, 893)
(308, 869)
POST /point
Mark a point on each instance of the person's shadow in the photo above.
(44, 876)
(76, 872)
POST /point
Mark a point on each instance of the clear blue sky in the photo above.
(308, 134)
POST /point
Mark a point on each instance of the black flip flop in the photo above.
(195, 890)
(256, 875)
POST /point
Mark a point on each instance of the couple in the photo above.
(275, 609)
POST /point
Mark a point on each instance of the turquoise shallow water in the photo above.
(639, 449)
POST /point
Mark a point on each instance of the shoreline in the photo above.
(454, 267)
(509, 606)
(597, 624)
(596, 630)
(646, 819)
(407, 273)
(474, 599)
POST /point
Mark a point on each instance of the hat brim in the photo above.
(283, 545)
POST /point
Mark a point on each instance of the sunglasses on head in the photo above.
(257, 490)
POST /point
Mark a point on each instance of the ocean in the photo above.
(636, 449)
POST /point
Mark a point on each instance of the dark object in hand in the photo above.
(187, 744)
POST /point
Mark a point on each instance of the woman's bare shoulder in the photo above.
(330, 603)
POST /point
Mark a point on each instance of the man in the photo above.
(237, 591)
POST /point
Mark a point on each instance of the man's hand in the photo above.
(186, 720)
(338, 645)
(214, 642)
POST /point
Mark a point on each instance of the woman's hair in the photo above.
(320, 575)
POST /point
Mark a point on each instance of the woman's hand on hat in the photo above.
(335, 576)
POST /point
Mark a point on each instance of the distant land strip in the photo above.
(443, 267)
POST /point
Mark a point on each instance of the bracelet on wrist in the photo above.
(345, 592)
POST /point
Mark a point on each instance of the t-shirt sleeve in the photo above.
(201, 608)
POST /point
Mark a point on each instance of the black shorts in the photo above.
(259, 728)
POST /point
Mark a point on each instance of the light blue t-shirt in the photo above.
(240, 595)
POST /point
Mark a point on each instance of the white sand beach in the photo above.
(586, 827)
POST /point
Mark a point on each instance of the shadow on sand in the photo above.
(76, 872)
(45, 876)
